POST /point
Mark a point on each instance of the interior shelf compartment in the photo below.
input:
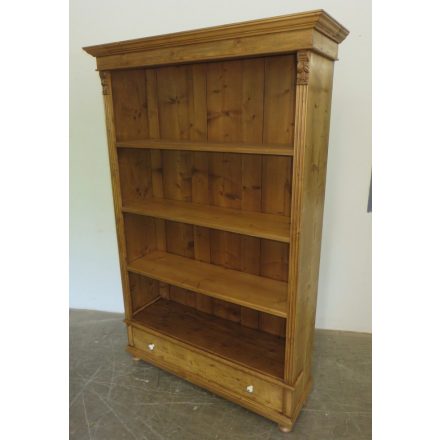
(255, 224)
(277, 150)
(249, 347)
(258, 293)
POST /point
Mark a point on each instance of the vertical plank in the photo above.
(274, 260)
(277, 185)
(232, 182)
(183, 296)
(200, 178)
(154, 131)
(172, 97)
(224, 101)
(250, 252)
(174, 88)
(279, 95)
(197, 111)
(157, 190)
(278, 128)
(224, 109)
(252, 100)
(200, 171)
(130, 104)
(226, 249)
(156, 164)
(177, 175)
(272, 324)
(202, 245)
(143, 290)
(140, 236)
(135, 174)
(226, 310)
(279, 99)
(179, 240)
(152, 104)
(252, 132)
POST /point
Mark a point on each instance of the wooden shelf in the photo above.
(258, 293)
(277, 150)
(249, 347)
(255, 224)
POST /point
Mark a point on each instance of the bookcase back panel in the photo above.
(252, 255)
(130, 104)
(144, 290)
(249, 182)
(223, 309)
(256, 256)
(135, 174)
(241, 101)
(247, 100)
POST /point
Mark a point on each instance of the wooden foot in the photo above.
(136, 359)
(285, 428)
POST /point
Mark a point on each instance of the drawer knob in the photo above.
(250, 388)
(151, 347)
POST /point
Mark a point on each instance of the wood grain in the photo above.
(255, 224)
(106, 81)
(225, 284)
(135, 170)
(130, 105)
(314, 30)
(143, 291)
(311, 141)
(218, 147)
(264, 392)
(318, 19)
(249, 347)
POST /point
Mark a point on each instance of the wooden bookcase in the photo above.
(218, 146)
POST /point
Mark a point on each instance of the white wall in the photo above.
(344, 299)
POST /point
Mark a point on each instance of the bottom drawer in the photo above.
(183, 360)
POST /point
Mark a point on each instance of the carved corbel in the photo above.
(105, 82)
(303, 67)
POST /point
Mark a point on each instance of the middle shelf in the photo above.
(256, 224)
(258, 293)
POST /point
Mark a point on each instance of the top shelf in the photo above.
(276, 150)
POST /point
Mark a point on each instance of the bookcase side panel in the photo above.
(314, 88)
(106, 81)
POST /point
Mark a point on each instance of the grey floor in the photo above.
(114, 397)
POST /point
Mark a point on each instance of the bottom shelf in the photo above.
(249, 347)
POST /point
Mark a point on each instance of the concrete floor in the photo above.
(114, 397)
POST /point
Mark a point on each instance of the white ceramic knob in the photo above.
(250, 388)
(151, 347)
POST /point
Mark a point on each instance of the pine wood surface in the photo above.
(255, 224)
(307, 214)
(218, 144)
(198, 363)
(252, 348)
(314, 30)
(237, 287)
(216, 147)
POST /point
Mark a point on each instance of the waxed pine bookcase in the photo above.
(217, 141)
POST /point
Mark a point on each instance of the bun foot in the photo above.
(136, 358)
(285, 428)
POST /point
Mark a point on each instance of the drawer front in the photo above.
(244, 385)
